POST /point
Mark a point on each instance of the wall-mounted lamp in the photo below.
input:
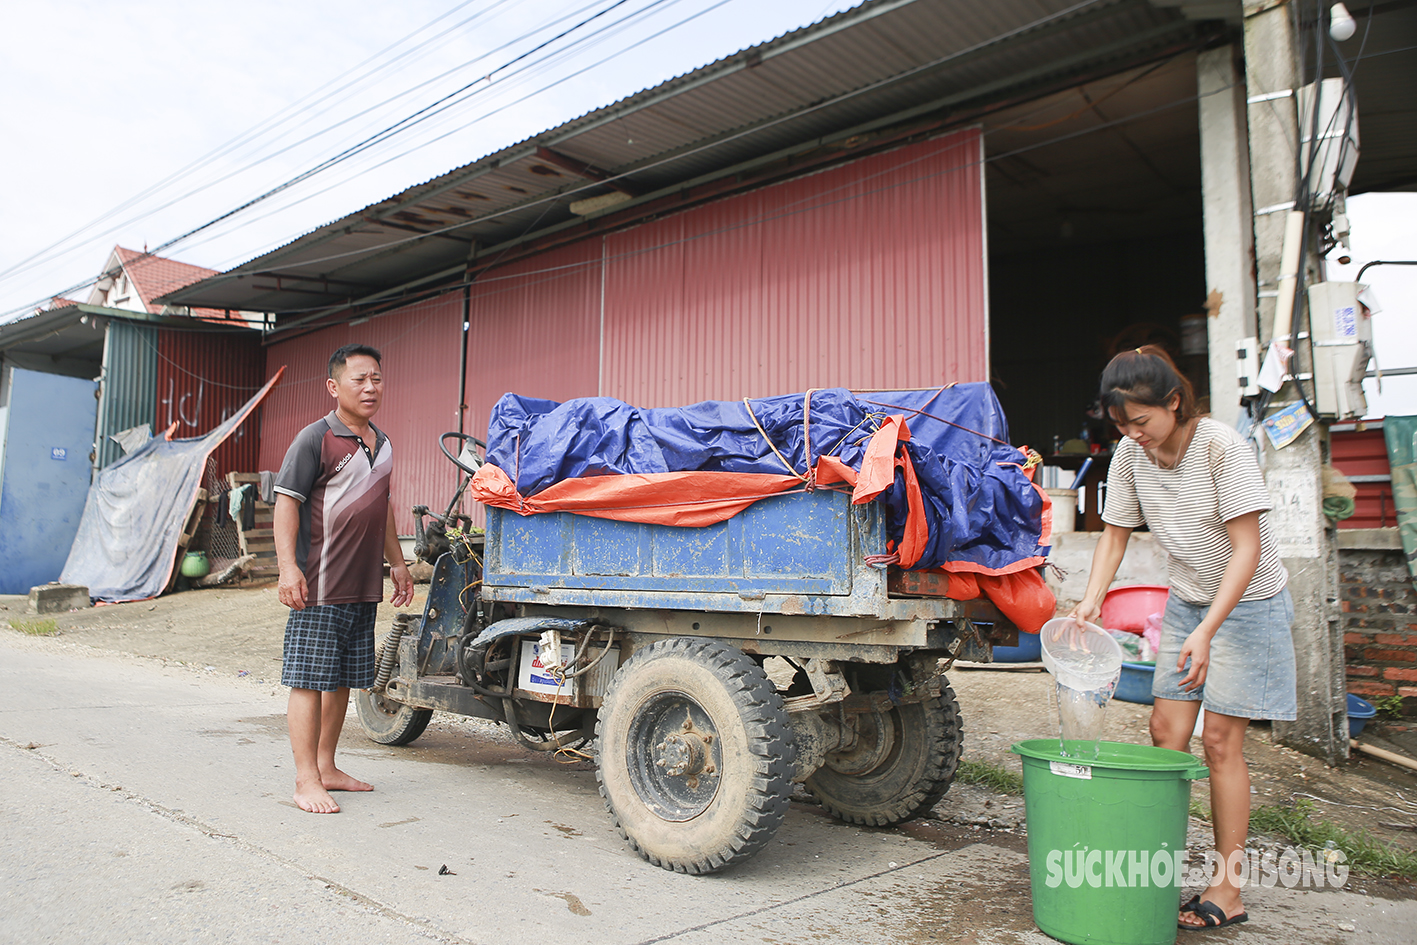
(1340, 23)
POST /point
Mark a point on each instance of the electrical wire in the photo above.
(270, 123)
(590, 42)
(716, 143)
(385, 133)
(370, 141)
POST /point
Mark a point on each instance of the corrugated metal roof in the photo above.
(74, 330)
(820, 93)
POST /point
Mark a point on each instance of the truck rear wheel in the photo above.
(388, 722)
(694, 755)
(901, 765)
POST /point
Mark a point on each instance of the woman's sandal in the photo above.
(1212, 915)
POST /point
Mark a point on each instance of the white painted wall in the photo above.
(1145, 563)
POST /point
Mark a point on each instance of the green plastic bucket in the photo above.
(1106, 838)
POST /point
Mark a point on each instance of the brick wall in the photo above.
(1379, 605)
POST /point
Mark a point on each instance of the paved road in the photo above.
(155, 808)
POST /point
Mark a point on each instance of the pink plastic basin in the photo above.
(1126, 608)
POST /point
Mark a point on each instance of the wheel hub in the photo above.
(676, 774)
(683, 754)
(874, 737)
(383, 705)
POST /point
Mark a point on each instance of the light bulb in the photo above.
(1340, 23)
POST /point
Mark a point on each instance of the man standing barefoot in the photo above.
(334, 525)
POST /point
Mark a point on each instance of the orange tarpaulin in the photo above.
(654, 498)
(664, 498)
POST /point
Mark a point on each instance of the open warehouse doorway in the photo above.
(1095, 246)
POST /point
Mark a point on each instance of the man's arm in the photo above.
(287, 530)
(398, 571)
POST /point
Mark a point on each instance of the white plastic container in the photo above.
(1086, 663)
(1065, 509)
(1080, 657)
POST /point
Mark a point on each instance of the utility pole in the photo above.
(1273, 76)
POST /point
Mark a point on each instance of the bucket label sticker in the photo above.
(1067, 770)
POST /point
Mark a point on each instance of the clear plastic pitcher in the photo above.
(1086, 663)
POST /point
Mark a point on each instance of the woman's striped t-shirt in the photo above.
(1186, 508)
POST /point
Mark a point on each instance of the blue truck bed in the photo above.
(798, 553)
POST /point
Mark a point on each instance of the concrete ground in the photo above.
(148, 799)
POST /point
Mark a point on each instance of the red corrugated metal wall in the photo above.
(534, 329)
(205, 377)
(419, 344)
(1362, 454)
(865, 275)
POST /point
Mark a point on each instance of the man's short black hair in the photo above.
(338, 359)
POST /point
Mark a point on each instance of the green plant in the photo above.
(1389, 707)
(1364, 853)
(1199, 810)
(36, 628)
(990, 776)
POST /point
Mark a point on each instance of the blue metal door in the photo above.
(44, 474)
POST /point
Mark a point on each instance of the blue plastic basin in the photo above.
(1029, 650)
(1359, 712)
(1135, 683)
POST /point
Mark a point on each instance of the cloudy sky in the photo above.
(134, 123)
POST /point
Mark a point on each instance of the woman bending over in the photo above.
(1225, 639)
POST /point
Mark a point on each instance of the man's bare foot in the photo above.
(314, 798)
(337, 780)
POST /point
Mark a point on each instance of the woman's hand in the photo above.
(1197, 648)
(1086, 612)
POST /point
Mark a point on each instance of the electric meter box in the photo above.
(1342, 337)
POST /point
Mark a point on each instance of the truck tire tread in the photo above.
(932, 737)
(763, 802)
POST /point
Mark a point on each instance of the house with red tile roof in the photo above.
(132, 280)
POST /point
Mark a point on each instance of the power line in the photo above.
(242, 139)
(791, 116)
(559, 81)
(271, 122)
(389, 131)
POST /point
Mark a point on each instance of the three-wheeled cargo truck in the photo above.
(648, 643)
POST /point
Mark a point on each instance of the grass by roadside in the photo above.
(990, 776)
(35, 628)
(1299, 824)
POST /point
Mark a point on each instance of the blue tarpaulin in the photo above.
(982, 510)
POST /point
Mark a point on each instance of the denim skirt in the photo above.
(1251, 671)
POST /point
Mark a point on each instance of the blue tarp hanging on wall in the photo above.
(126, 546)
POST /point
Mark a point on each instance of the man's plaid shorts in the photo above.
(330, 647)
